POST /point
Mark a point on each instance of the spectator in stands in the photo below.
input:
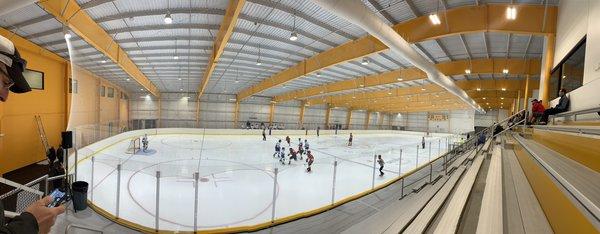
(498, 129)
(563, 105)
(481, 139)
(537, 110)
(37, 218)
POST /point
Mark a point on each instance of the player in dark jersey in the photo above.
(309, 159)
(288, 140)
(350, 140)
(293, 155)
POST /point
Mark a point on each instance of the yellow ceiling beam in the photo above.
(466, 19)
(515, 66)
(423, 108)
(445, 99)
(487, 94)
(70, 14)
(497, 84)
(225, 30)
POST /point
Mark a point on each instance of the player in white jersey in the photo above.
(277, 149)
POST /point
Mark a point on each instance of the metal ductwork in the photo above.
(357, 13)
(7, 6)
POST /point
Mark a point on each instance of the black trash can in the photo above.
(79, 189)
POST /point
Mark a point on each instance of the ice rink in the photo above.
(237, 185)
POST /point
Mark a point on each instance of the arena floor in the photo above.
(236, 183)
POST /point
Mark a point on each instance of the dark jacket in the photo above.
(24, 223)
(563, 103)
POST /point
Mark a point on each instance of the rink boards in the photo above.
(239, 188)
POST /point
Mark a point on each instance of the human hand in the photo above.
(44, 215)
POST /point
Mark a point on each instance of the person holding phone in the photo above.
(37, 218)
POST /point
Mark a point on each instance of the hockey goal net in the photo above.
(134, 146)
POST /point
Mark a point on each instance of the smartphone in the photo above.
(58, 198)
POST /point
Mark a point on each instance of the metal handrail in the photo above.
(20, 187)
(578, 112)
(78, 226)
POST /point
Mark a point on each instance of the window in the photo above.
(111, 92)
(102, 91)
(35, 79)
(568, 74)
(73, 86)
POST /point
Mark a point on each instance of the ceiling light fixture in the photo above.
(505, 71)
(293, 36)
(435, 19)
(67, 33)
(511, 13)
(365, 61)
(478, 89)
(400, 79)
(468, 71)
(168, 19)
(503, 89)
(175, 57)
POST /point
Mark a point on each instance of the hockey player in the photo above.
(300, 148)
(277, 149)
(309, 159)
(306, 147)
(293, 155)
(350, 140)
(145, 143)
(381, 163)
(264, 134)
(423, 142)
(282, 156)
(289, 141)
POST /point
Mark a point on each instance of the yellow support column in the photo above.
(518, 100)
(236, 114)
(526, 96)
(547, 62)
(348, 118)
(271, 113)
(301, 118)
(327, 114)
(367, 120)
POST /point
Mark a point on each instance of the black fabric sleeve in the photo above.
(24, 223)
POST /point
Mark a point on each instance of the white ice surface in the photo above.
(236, 176)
